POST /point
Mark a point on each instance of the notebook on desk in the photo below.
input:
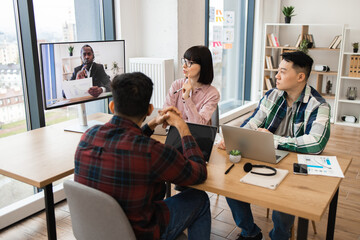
(271, 182)
(252, 144)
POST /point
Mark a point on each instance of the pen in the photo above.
(178, 90)
(228, 170)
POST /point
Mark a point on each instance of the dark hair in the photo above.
(301, 61)
(132, 93)
(86, 45)
(202, 56)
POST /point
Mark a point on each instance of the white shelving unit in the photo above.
(344, 105)
(323, 34)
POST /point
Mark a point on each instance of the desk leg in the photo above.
(332, 217)
(302, 230)
(50, 212)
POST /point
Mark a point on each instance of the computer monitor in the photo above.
(70, 75)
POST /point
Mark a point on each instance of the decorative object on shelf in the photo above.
(105, 66)
(355, 47)
(115, 68)
(351, 93)
(71, 49)
(288, 13)
(321, 68)
(349, 119)
(328, 87)
(304, 46)
(235, 156)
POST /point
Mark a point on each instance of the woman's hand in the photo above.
(186, 88)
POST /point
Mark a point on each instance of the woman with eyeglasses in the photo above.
(194, 95)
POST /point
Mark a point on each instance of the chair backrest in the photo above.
(95, 214)
(215, 118)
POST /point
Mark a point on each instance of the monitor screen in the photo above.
(78, 72)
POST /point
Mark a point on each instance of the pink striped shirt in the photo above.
(199, 107)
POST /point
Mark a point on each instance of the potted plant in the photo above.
(71, 49)
(288, 13)
(304, 46)
(115, 67)
(355, 47)
(235, 156)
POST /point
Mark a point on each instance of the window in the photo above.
(12, 115)
(56, 21)
(229, 43)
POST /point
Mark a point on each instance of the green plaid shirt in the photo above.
(310, 122)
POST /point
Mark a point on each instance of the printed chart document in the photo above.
(321, 165)
(77, 88)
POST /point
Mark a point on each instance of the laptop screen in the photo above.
(203, 134)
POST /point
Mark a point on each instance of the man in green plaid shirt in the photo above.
(299, 118)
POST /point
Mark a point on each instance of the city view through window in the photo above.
(55, 22)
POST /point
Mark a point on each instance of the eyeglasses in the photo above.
(187, 62)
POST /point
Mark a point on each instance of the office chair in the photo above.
(97, 215)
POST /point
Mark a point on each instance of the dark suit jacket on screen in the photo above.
(99, 77)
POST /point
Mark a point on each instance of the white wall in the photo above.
(325, 11)
(160, 28)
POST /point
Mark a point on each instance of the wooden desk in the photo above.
(304, 196)
(40, 157)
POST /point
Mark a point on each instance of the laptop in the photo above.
(159, 130)
(204, 136)
(252, 144)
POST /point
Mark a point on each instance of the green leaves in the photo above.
(288, 11)
(235, 152)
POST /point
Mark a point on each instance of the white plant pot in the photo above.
(234, 159)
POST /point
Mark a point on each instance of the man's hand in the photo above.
(82, 73)
(169, 109)
(186, 88)
(173, 119)
(263, 130)
(95, 91)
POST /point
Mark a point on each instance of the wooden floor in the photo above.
(343, 140)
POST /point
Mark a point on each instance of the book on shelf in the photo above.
(273, 40)
(337, 42)
(269, 62)
(268, 82)
(333, 41)
(271, 44)
(298, 41)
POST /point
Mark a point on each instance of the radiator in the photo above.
(161, 72)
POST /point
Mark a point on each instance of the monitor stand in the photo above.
(83, 124)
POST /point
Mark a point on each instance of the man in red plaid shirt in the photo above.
(120, 159)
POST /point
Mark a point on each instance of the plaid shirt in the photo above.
(121, 159)
(310, 121)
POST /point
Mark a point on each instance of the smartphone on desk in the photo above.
(300, 169)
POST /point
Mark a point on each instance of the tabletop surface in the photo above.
(44, 155)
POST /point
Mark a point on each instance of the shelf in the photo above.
(349, 124)
(315, 49)
(351, 53)
(349, 101)
(353, 78)
(324, 73)
(326, 96)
